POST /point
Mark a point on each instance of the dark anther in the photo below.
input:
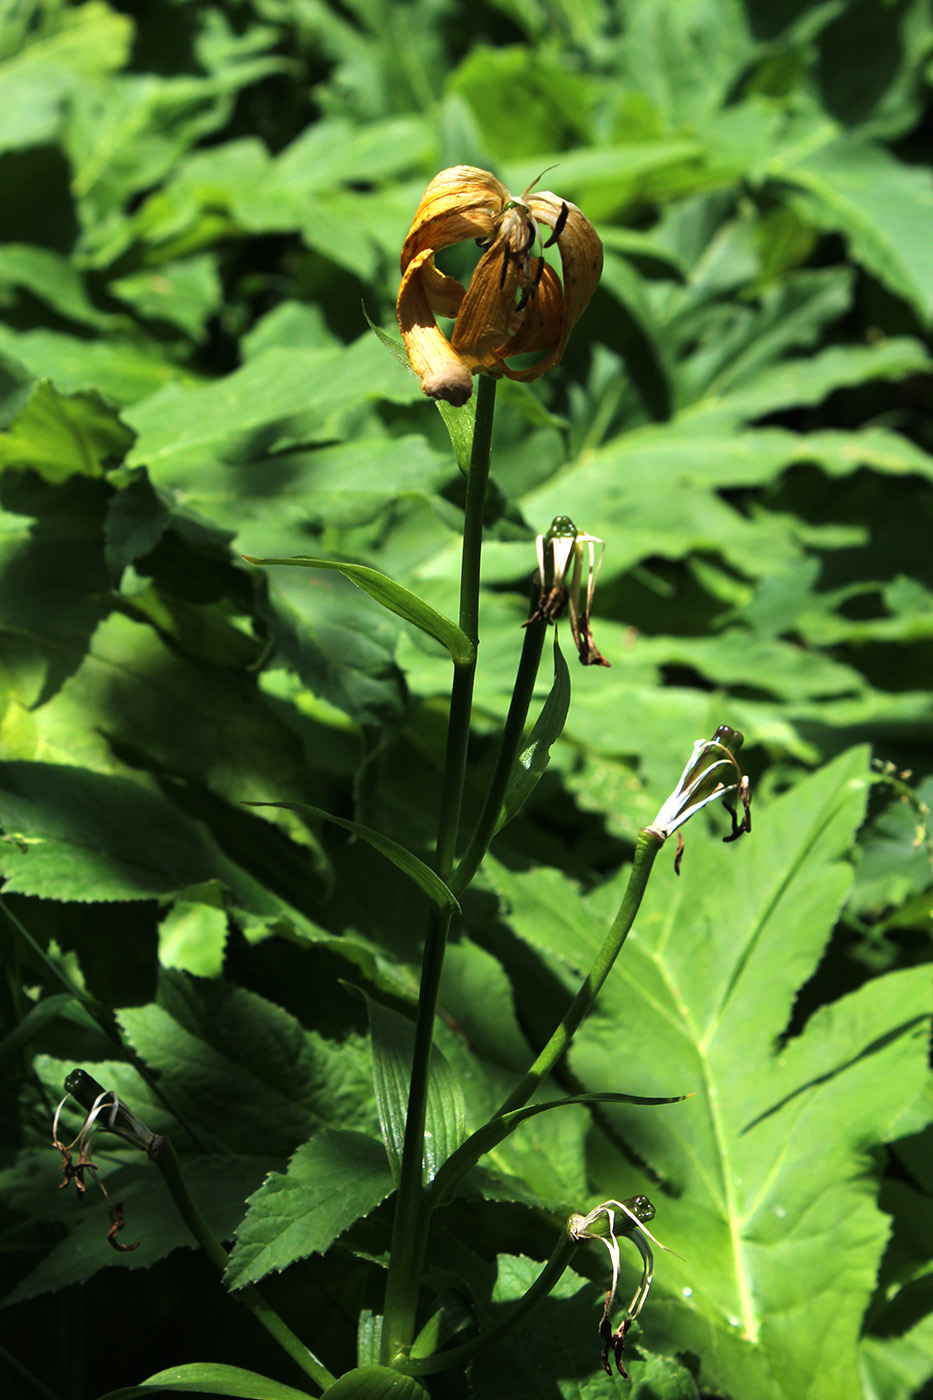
(745, 825)
(559, 226)
(618, 1342)
(116, 1225)
(605, 1331)
(679, 854)
(535, 284)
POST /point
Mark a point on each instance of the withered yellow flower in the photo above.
(515, 303)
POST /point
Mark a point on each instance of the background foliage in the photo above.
(197, 197)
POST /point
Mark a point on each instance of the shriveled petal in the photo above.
(444, 293)
(459, 204)
(540, 329)
(488, 306)
(442, 372)
(581, 259)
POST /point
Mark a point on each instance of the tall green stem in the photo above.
(646, 849)
(412, 1212)
(522, 692)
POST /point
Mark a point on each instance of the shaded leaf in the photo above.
(393, 1042)
(330, 1183)
(424, 877)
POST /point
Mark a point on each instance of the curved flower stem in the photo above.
(412, 1211)
(485, 827)
(646, 849)
(168, 1165)
(521, 1308)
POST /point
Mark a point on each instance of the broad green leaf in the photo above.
(74, 834)
(762, 1192)
(279, 399)
(393, 1042)
(376, 1383)
(120, 370)
(557, 1350)
(59, 436)
(395, 597)
(424, 877)
(880, 205)
(210, 1378)
(80, 43)
(56, 281)
(220, 1185)
(330, 1183)
(193, 934)
(243, 1070)
(535, 756)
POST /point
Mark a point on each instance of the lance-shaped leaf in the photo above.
(423, 876)
(535, 756)
(497, 1129)
(210, 1378)
(393, 596)
(393, 1040)
(377, 1383)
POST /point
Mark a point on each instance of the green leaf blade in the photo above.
(331, 1182)
(393, 596)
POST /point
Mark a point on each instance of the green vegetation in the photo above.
(221, 780)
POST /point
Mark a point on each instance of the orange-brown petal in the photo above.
(581, 257)
(488, 306)
(444, 293)
(540, 328)
(459, 204)
(442, 372)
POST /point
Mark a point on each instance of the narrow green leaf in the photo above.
(497, 1129)
(460, 424)
(210, 1378)
(535, 756)
(48, 1009)
(377, 1383)
(395, 347)
(423, 876)
(393, 1041)
(391, 595)
(331, 1181)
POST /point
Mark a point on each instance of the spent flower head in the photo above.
(104, 1111)
(561, 552)
(712, 774)
(515, 304)
(608, 1223)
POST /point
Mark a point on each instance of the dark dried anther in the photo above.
(559, 226)
(745, 825)
(116, 1225)
(632, 1215)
